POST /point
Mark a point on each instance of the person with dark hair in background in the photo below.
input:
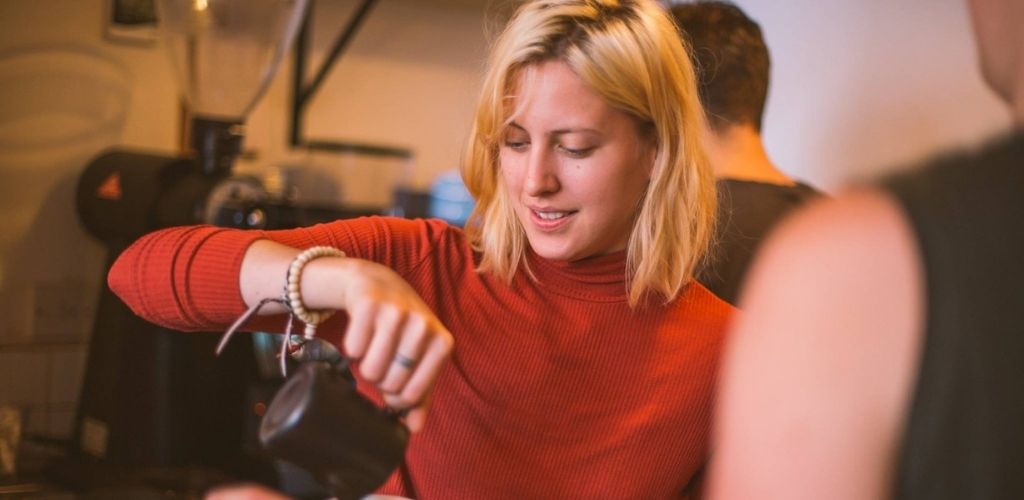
(732, 63)
(881, 349)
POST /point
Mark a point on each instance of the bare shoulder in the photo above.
(853, 230)
(821, 361)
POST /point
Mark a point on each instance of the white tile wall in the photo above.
(24, 380)
(24, 384)
(61, 422)
(15, 315)
(44, 382)
(62, 310)
(66, 371)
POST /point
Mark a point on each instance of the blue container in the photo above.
(449, 199)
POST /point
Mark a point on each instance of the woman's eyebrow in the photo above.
(561, 131)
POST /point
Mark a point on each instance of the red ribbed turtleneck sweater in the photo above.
(556, 388)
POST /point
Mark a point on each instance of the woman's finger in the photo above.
(362, 318)
(387, 330)
(407, 355)
(416, 418)
(244, 492)
(427, 371)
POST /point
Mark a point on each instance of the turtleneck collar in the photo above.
(599, 279)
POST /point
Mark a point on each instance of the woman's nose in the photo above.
(541, 173)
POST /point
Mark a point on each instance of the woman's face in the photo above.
(574, 167)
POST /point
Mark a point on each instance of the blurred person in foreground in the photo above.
(881, 352)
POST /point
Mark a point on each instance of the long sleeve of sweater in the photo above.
(177, 277)
(187, 278)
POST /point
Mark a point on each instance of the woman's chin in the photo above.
(550, 250)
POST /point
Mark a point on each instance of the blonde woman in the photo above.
(561, 339)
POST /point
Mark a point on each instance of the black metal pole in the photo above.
(298, 73)
(301, 95)
(340, 44)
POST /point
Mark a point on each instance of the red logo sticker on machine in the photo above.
(111, 188)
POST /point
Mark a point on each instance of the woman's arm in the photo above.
(399, 343)
(202, 278)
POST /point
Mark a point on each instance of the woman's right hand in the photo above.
(397, 341)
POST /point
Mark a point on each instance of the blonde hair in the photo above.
(629, 52)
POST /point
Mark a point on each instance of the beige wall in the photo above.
(860, 86)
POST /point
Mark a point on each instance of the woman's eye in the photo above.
(577, 152)
(516, 145)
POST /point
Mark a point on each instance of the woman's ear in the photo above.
(648, 153)
(649, 156)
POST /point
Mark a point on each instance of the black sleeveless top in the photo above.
(964, 437)
(747, 211)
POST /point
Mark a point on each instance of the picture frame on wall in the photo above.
(131, 22)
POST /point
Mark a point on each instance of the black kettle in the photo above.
(320, 422)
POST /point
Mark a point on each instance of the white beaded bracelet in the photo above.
(293, 292)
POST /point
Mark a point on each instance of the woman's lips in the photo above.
(549, 220)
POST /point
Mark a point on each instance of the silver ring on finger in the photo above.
(404, 361)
